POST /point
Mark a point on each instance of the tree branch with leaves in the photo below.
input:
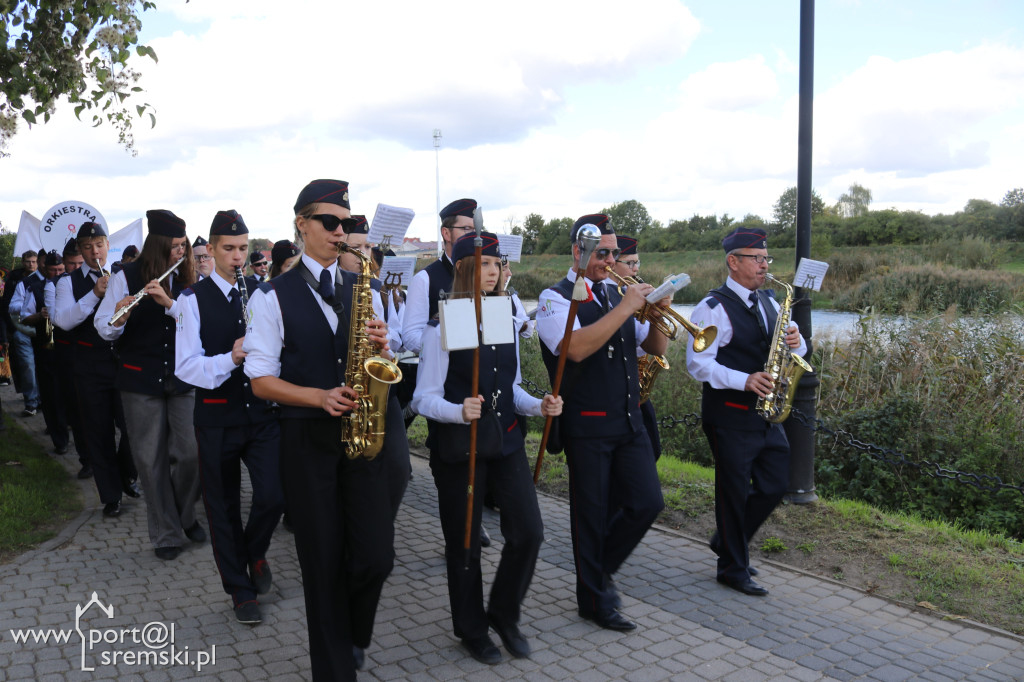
(74, 49)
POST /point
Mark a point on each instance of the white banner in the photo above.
(60, 224)
(28, 235)
(132, 234)
(33, 234)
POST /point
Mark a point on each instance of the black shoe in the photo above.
(259, 572)
(195, 533)
(747, 586)
(360, 656)
(513, 640)
(609, 620)
(167, 553)
(85, 472)
(112, 509)
(482, 649)
(248, 613)
(716, 544)
(62, 450)
(28, 412)
(131, 488)
(485, 539)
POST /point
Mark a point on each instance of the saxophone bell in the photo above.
(784, 366)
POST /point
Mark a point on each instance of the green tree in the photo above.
(1013, 198)
(553, 237)
(76, 49)
(855, 202)
(630, 217)
(260, 244)
(529, 230)
(784, 210)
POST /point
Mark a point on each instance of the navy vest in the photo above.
(601, 393)
(232, 403)
(497, 373)
(746, 352)
(91, 350)
(440, 273)
(146, 348)
(312, 355)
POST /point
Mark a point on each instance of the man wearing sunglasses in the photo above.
(751, 455)
(259, 266)
(615, 494)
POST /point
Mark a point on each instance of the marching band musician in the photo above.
(443, 395)
(628, 265)
(340, 508)
(259, 266)
(34, 312)
(77, 299)
(232, 425)
(201, 254)
(22, 362)
(613, 481)
(157, 406)
(395, 442)
(751, 454)
(282, 257)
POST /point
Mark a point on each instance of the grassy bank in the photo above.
(37, 496)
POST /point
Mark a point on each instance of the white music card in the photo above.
(810, 273)
(390, 221)
(511, 245)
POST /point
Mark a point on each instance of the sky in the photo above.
(556, 108)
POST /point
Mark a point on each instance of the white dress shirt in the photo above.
(69, 313)
(191, 364)
(704, 366)
(417, 310)
(554, 312)
(428, 400)
(22, 302)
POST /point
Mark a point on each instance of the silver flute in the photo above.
(141, 293)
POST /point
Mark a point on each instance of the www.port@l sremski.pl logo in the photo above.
(104, 643)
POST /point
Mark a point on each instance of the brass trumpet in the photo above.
(669, 321)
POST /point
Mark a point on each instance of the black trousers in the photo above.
(49, 395)
(751, 478)
(222, 451)
(510, 481)
(341, 511)
(64, 356)
(605, 474)
(101, 413)
(651, 424)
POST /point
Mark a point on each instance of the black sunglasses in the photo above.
(331, 222)
(602, 254)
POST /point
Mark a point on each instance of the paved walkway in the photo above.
(691, 628)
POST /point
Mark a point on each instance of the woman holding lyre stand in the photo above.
(157, 406)
(298, 352)
(443, 395)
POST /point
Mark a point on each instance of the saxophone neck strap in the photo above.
(337, 304)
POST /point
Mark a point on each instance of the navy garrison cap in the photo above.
(228, 224)
(464, 246)
(70, 248)
(598, 220)
(199, 242)
(256, 258)
(165, 223)
(356, 225)
(130, 251)
(323, 192)
(627, 245)
(283, 250)
(52, 258)
(745, 238)
(91, 230)
(463, 207)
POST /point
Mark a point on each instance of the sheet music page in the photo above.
(511, 245)
(397, 270)
(390, 221)
(810, 273)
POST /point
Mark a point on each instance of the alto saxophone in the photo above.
(784, 366)
(366, 373)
